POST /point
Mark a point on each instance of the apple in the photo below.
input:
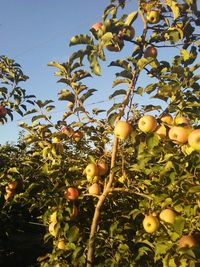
(74, 213)
(150, 52)
(77, 136)
(91, 170)
(53, 217)
(115, 45)
(179, 120)
(56, 140)
(122, 129)
(194, 139)
(187, 241)
(179, 134)
(147, 124)
(127, 33)
(161, 131)
(52, 230)
(3, 111)
(153, 16)
(168, 216)
(12, 185)
(167, 118)
(150, 223)
(95, 189)
(102, 168)
(71, 193)
(61, 244)
(97, 26)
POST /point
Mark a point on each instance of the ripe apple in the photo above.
(150, 223)
(147, 124)
(179, 120)
(97, 26)
(74, 213)
(102, 168)
(122, 129)
(127, 33)
(194, 139)
(161, 131)
(153, 16)
(71, 193)
(91, 170)
(12, 185)
(52, 230)
(95, 189)
(61, 244)
(116, 45)
(187, 241)
(167, 118)
(53, 217)
(179, 134)
(168, 216)
(3, 111)
(77, 136)
(150, 52)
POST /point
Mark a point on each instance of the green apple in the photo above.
(122, 129)
(153, 16)
(194, 139)
(147, 124)
(150, 224)
(179, 134)
(91, 170)
(168, 216)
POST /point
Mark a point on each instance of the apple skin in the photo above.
(71, 193)
(168, 216)
(179, 120)
(167, 118)
(150, 224)
(147, 124)
(127, 33)
(153, 16)
(97, 26)
(91, 170)
(179, 135)
(95, 189)
(61, 244)
(3, 111)
(150, 52)
(102, 168)
(122, 129)
(194, 139)
(161, 131)
(187, 241)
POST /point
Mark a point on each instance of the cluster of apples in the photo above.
(151, 224)
(10, 190)
(3, 111)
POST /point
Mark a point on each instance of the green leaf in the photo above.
(194, 189)
(120, 81)
(13, 170)
(73, 233)
(81, 39)
(185, 54)
(94, 64)
(106, 38)
(118, 92)
(131, 18)
(179, 225)
(174, 7)
(152, 140)
(57, 65)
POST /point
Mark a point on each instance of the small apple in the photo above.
(161, 131)
(153, 16)
(71, 193)
(167, 118)
(179, 120)
(95, 189)
(91, 170)
(122, 129)
(77, 136)
(53, 217)
(187, 241)
(194, 139)
(127, 33)
(115, 45)
(179, 134)
(168, 216)
(102, 168)
(147, 124)
(12, 185)
(150, 223)
(3, 111)
(74, 213)
(52, 230)
(97, 26)
(150, 52)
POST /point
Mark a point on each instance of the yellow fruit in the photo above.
(179, 134)
(95, 189)
(179, 120)
(167, 118)
(150, 224)
(194, 139)
(102, 168)
(147, 124)
(122, 129)
(91, 170)
(168, 216)
(161, 131)
(153, 16)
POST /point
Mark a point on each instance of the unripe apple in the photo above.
(74, 213)
(102, 168)
(122, 129)
(150, 224)
(147, 124)
(61, 244)
(3, 111)
(179, 120)
(77, 136)
(116, 45)
(168, 216)
(153, 16)
(187, 241)
(12, 185)
(179, 134)
(150, 52)
(161, 131)
(53, 217)
(97, 26)
(95, 189)
(127, 33)
(71, 193)
(167, 118)
(52, 230)
(91, 170)
(194, 139)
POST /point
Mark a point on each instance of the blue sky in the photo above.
(36, 32)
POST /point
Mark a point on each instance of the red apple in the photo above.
(187, 241)
(95, 189)
(71, 193)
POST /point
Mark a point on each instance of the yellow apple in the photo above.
(71, 193)
(168, 216)
(95, 189)
(91, 170)
(127, 33)
(61, 244)
(102, 168)
(179, 120)
(153, 16)
(147, 124)
(179, 134)
(150, 224)
(150, 52)
(187, 241)
(97, 26)
(167, 118)
(161, 131)
(122, 129)
(194, 139)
